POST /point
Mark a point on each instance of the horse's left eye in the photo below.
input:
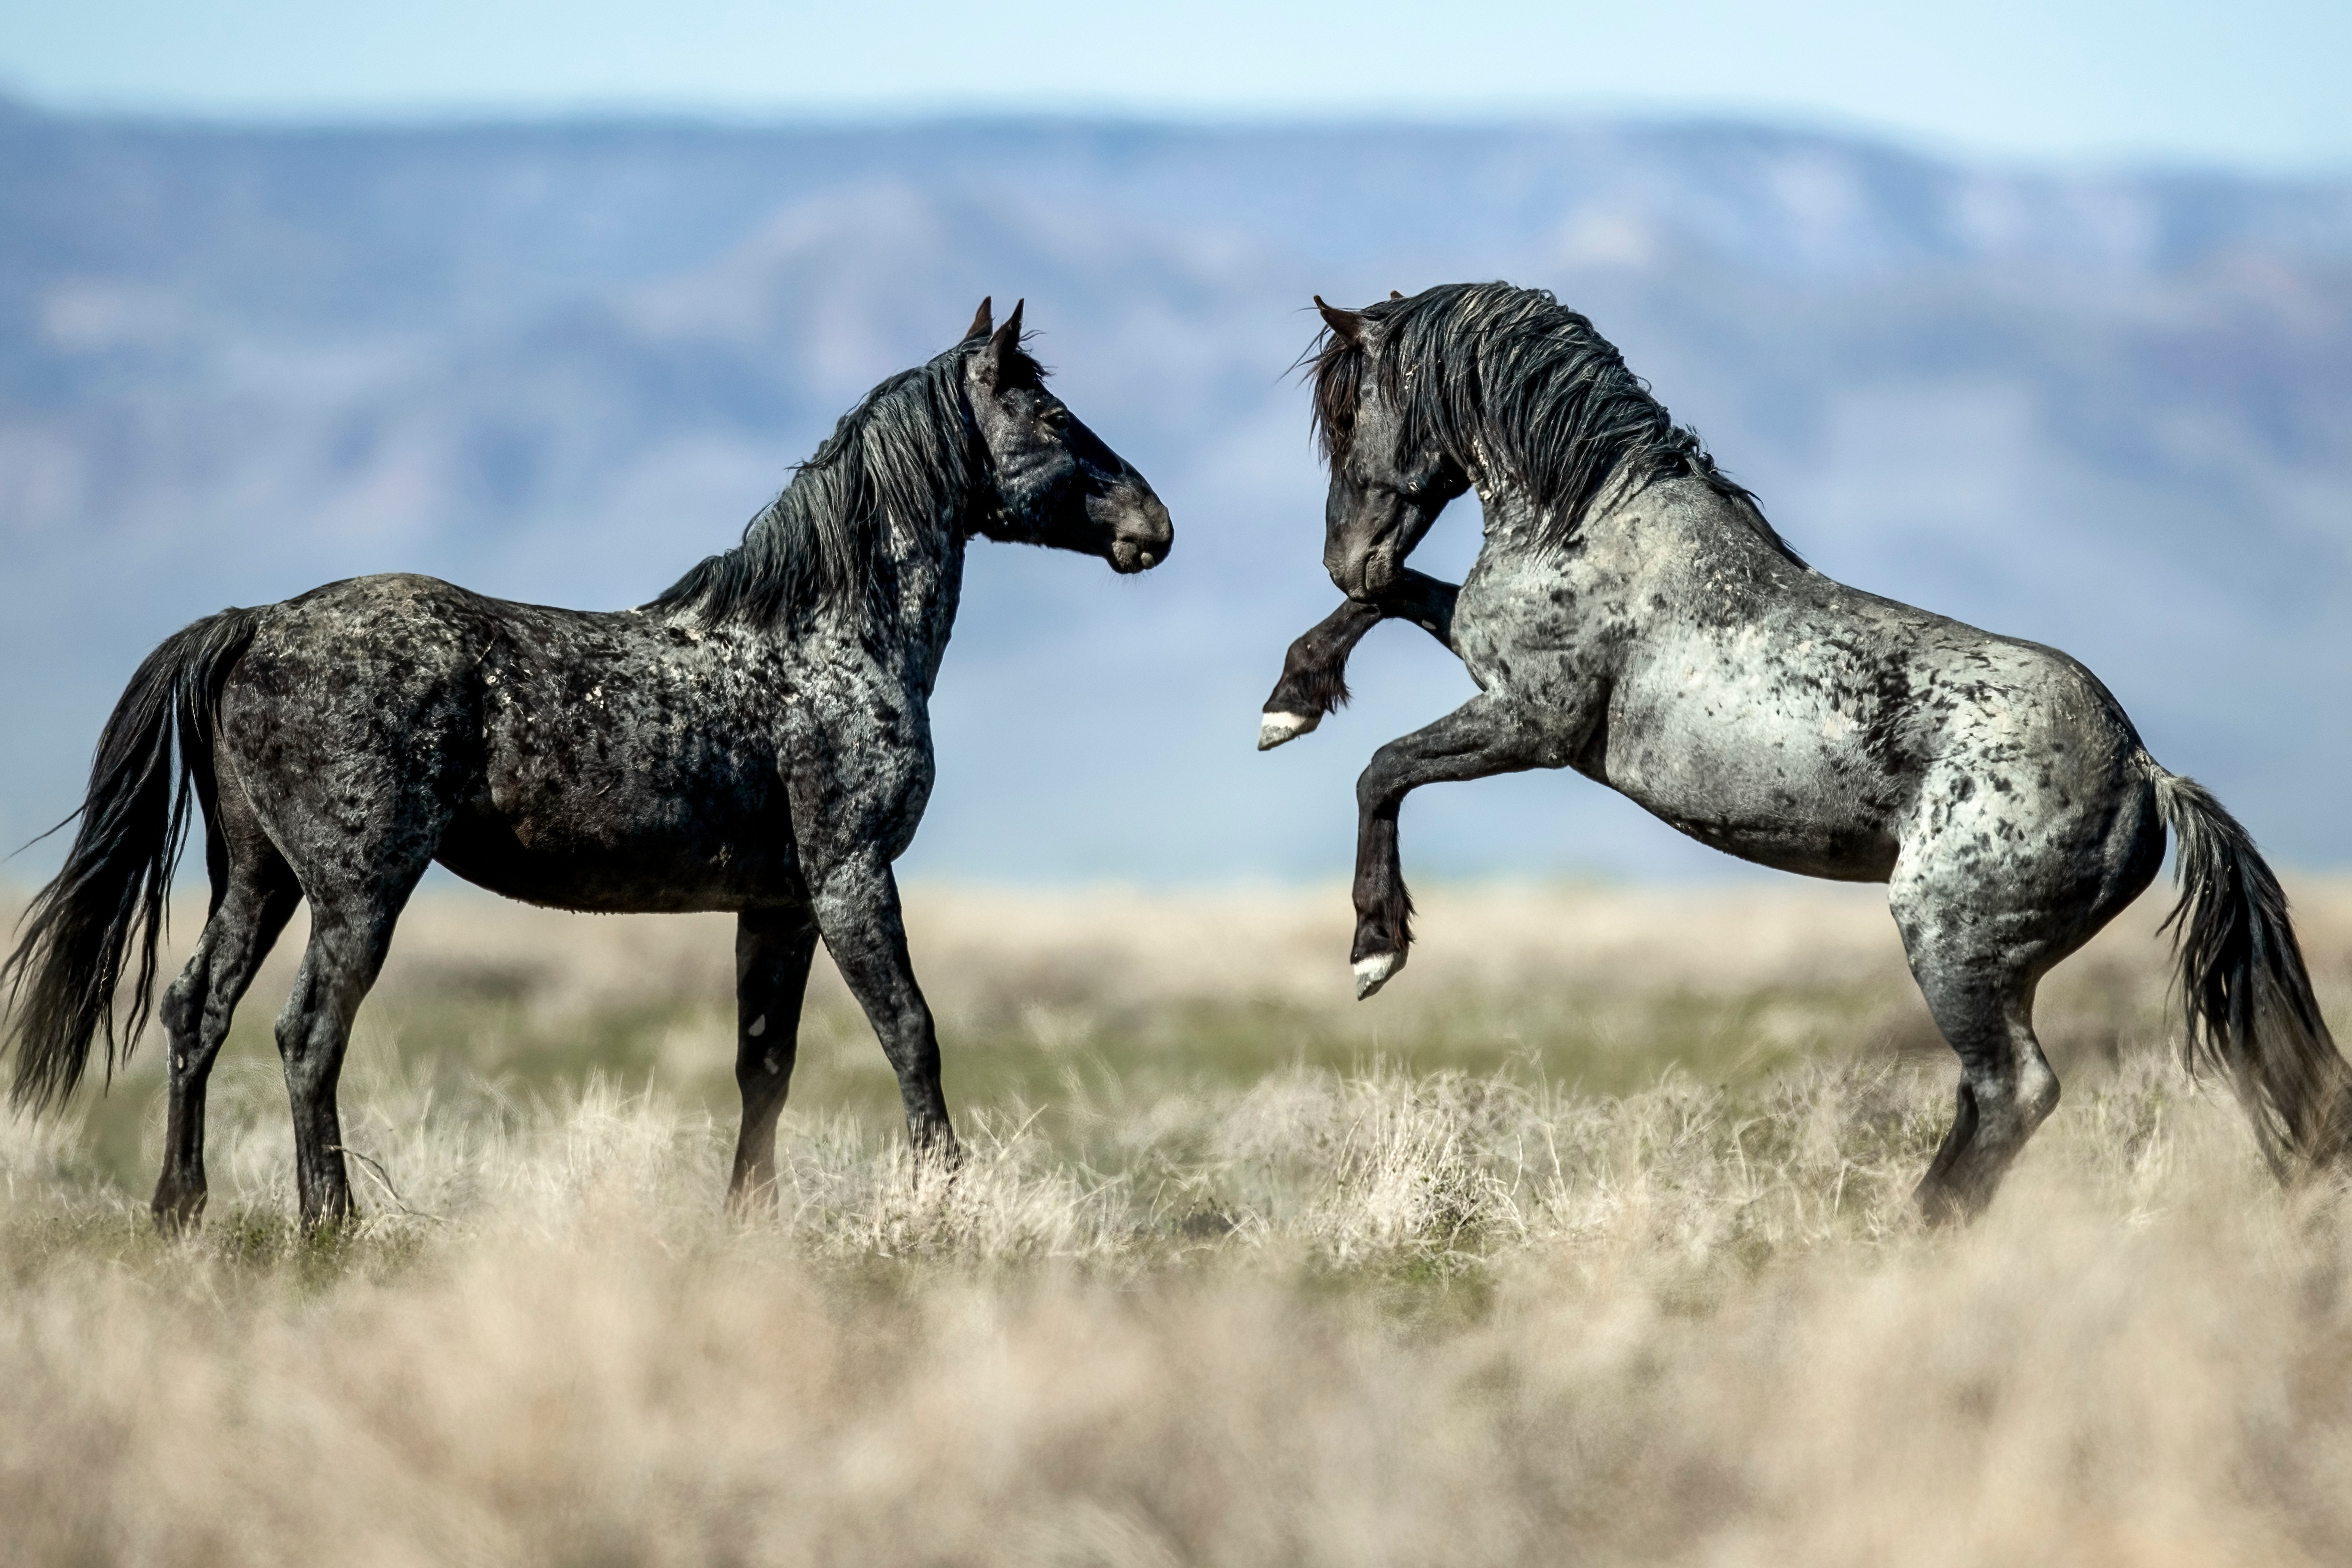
(1056, 420)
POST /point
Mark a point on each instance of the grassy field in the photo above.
(1586, 1241)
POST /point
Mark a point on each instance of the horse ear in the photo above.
(983, 322)
(1004, 348)
(1346, 324)
(1393, 294)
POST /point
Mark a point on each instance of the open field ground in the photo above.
(1586, 1241)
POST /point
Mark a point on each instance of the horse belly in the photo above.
(641, 876)
(1784, 794)
(690, 824)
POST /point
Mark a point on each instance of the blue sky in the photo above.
(2258, 84)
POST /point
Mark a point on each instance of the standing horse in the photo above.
(757, 739)
(1631, 615)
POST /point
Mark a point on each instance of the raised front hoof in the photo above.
(1274, 727)
(179, 1211)
(1372, 971)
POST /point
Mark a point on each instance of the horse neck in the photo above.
(1512, 522)
(926, 571)
(1515, 526)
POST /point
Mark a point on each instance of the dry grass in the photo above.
(1589, 1244)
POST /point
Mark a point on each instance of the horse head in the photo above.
(1058, 483)
(1389, 478)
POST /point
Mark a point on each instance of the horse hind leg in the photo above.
(1985, 1011)
(357, 890)
(259, 896)
(774, 949)
(1981, 929)
(349, 937)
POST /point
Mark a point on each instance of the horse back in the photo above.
(584, 760)
(1784, 717)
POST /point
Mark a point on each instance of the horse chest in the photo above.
(1536, 635)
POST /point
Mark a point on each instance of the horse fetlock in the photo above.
(752, 1193)
(937, 1149)
(1941, 1204)
(178, 1205)
(323, 1190)
(1993, 1119)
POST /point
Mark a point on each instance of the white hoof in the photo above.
(1274, 729)
(1373, 972)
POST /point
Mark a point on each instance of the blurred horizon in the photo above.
(2076, 82)
(1536, 116)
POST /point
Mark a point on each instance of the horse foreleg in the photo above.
(773, 952)
(856, 909)
(1483, 737)
(1315, 670)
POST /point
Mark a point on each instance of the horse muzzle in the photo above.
(1140, 531)
(1368, 575)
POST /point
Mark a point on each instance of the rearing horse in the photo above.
(756, 740)
(1631, 615)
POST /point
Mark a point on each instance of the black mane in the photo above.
(1518, 376)
(907, 456)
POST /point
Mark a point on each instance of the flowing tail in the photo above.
(2246, 993)
(110, 898)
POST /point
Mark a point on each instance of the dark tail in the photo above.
(110, 897)
(2246, 995)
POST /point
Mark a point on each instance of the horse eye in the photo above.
(1056, 419)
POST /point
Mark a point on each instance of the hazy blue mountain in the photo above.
(2111, 411)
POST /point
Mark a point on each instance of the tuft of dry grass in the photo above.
(1560, 1258)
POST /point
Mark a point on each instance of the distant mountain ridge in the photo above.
(560, 362)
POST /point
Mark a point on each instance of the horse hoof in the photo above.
(1373, 972)
(178, 1211)
(176, 1220)
(1274, 729)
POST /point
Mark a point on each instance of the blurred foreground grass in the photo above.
(1587, 1240)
